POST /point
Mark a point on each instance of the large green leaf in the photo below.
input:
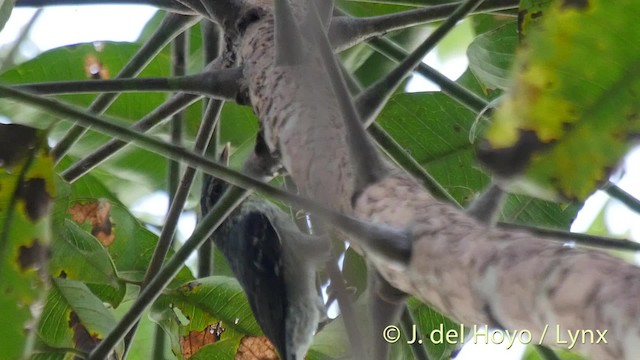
(26, 192)
(434, 129)
(89, 205)
(71, 63)
(74, 318)
(573, 104)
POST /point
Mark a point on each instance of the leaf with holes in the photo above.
(568, 112)
(87, 205)
(202, 304)
(26, 194)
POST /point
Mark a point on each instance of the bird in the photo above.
(275, 264)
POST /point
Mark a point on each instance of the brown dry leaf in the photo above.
(256, 348)
(97, 214)
(94, 68)
(191, 343)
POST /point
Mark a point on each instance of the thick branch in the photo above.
(471, 272)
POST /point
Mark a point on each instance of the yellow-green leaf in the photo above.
(26, 191)
(572, 109)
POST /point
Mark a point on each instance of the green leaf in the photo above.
(491, 55)
(530, 14)
(71, 63)
(74, 318)
(26, 193)
(434, 129)
(431, 324)
(202, 303)
(220, 350)
(568, 111)
(89, 205)
(76, 255)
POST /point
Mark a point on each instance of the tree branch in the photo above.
(172, 25)
(347, 31)
(372, 99)
(381, 238)
(579, 238)
(617, 193)
(465, 97)
(151, 120)
(470, 272)
(221, 84)
(168, 5)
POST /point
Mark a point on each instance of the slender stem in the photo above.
(182, 192)
(397, 152)
(347, 31)
(229, 201)
(371, 101)
(11, 57)
(159, 341)
(617, 193)
(394, 243)
(168, 5)
(220, 84)
(172, 25)
(465, 97)
(578, 238)
(211, 46)
(407, 322)
(407, 162)
(179, 50)
(151, 120)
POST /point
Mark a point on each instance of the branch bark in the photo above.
(473, 273)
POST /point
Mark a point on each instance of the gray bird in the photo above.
(276, 266)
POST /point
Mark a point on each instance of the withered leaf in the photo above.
(97, 214)
(190, 344)
(256, 348)
(94, 68)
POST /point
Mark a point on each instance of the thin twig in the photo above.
(394, 243)
(211, 45)
(578, 238)
(617, 193)
(11, 57)
(347, 31)
(457, 92)
(172, 25)
(229, 201)
(168, 5)
(372, 99)
(151, 120)
(221, 84)
(179, 51)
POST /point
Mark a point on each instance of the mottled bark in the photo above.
(471, 272)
